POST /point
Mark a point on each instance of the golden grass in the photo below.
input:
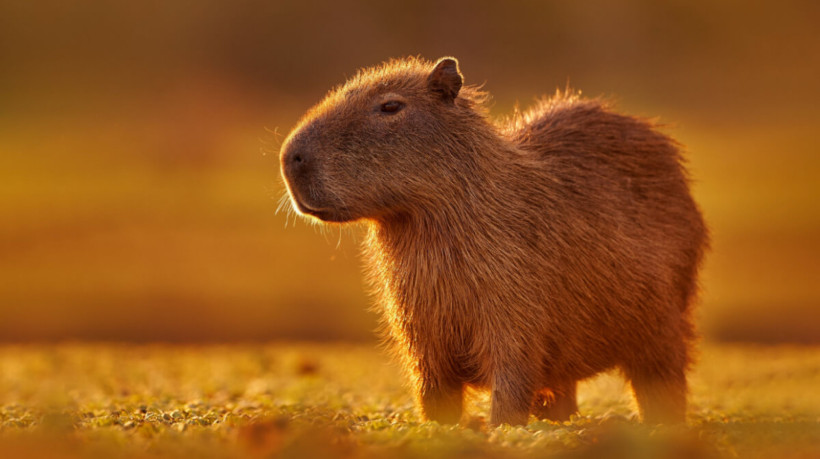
(340, 400)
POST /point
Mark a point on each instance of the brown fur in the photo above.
(520, 256)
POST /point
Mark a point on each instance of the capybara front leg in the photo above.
(660, 393)
(556, 404)
(510, 401)
(442, 402)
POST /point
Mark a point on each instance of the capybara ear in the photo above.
(445, 79)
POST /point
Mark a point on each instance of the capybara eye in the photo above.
(392, 106)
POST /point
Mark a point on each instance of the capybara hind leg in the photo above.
(556, 404)
(660, 393)
(442, 403)
(510, 403)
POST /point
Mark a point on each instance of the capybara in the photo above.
(519, 256)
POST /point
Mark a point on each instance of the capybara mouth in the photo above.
(323, 214)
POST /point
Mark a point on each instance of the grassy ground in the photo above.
(80, 400)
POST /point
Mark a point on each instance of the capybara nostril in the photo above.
(295, 158)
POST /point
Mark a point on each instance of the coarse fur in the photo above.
(519, 256)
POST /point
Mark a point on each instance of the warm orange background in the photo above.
(135, 203)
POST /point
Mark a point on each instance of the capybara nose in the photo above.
(295, 159)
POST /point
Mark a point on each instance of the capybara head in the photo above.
(374, 146)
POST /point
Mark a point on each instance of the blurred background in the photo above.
(137, 202)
